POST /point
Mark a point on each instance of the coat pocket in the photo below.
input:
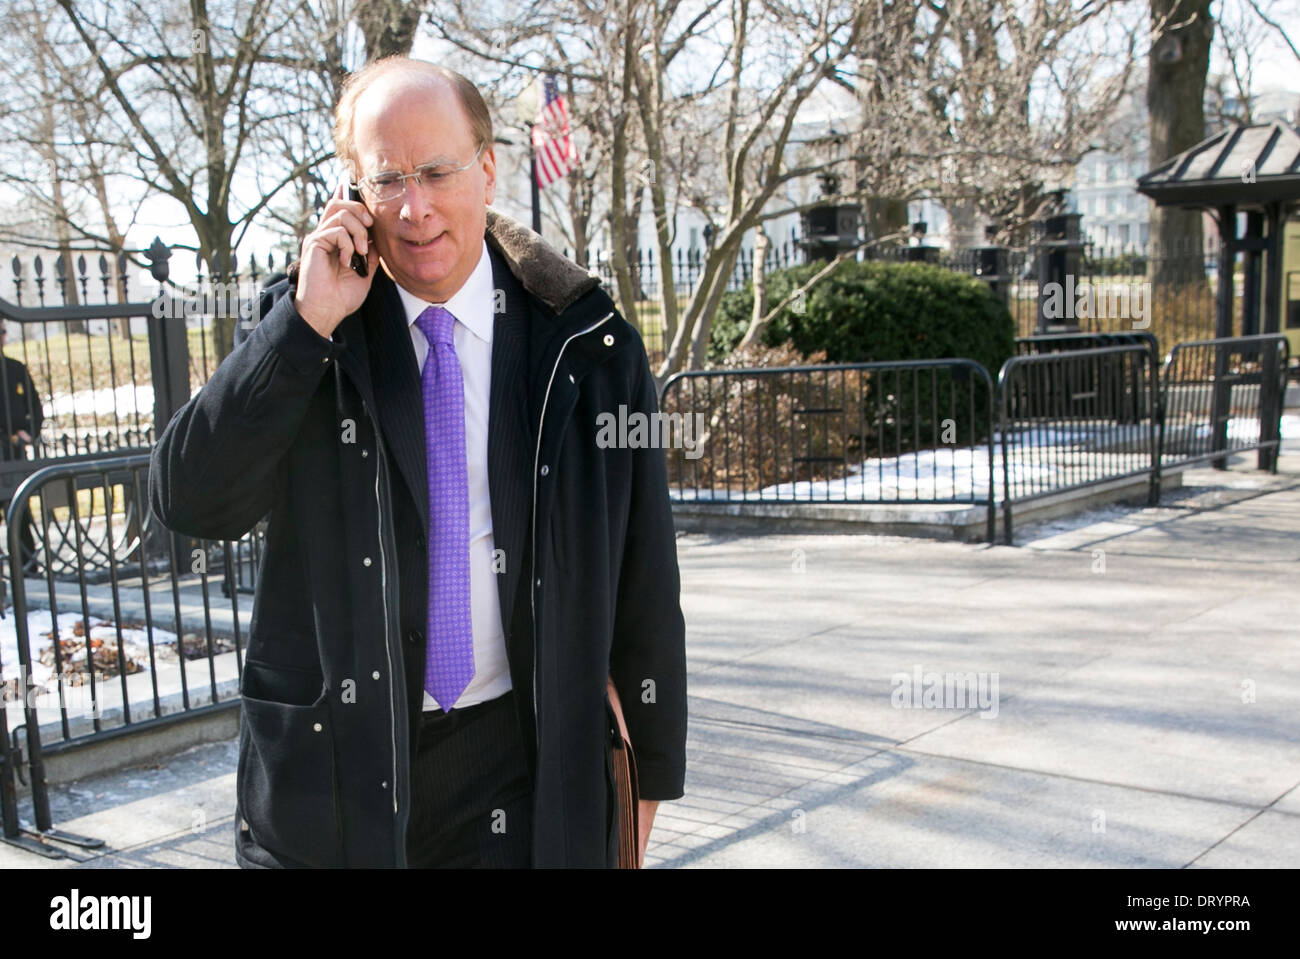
(287, 783)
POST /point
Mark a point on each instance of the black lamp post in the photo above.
(830, 227)
(919, 251)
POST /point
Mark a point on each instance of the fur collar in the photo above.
(554, 279)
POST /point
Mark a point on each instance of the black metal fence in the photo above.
(1073, 419)
(88, 371)
(120, 625)
(918, 431)
(1224, 396)
(1071, 412)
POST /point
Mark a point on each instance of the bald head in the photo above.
(395, 78)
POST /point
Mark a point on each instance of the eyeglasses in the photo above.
(389, 184)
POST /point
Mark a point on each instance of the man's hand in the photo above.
(328, 288)
(645, 817)
(24, 436)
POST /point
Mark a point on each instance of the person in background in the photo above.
(23, 416)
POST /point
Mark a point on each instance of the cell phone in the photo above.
(358, 262)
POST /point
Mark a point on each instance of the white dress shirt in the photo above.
(472, 336)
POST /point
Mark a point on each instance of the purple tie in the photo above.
(449, 664)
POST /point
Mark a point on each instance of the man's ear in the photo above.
(489, 173)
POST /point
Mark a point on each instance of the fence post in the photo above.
(991, 266)
(169, 361)
(1220, 402)
(1270, 394)
(1157, 406)
(1059, 251)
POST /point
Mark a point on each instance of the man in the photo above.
(23, 416)
(453, 567)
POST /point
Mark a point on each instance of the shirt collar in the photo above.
(472, 304)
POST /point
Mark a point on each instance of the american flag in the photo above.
(552, 142)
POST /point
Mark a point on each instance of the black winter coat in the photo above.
(326, 439)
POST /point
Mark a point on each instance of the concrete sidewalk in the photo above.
(1123, 643)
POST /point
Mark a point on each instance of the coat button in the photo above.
(545, 469)
(414, 636)
(609, 339)
(384, 784)
(375, 674)
(365, 453)
(317, 727)
(366, 561)
(419, 540)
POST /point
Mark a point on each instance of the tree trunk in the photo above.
(756, 321)
(580, 202)
(388, 26)
(650, 98)
(619, 226)
(716, 286)
(1177, 66)
(884, 215)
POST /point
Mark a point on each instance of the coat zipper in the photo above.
(383, 582)
(532, 579)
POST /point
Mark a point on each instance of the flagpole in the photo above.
(532, 176)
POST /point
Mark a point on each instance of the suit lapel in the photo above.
(398, 393)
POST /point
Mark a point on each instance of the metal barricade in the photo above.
(916, 431)
(1224, 396)
(1069, 420)
(119, 631)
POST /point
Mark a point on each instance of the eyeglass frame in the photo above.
(367, 181)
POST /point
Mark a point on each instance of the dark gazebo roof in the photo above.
(1245, 166)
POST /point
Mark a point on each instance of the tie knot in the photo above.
(436, 324)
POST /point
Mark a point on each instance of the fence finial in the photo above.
(158, 256)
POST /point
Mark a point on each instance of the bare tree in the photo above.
(982, 104)
(60, 148)
(1263, 9)
(803, 46)
(193, 89)
(705, 105)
